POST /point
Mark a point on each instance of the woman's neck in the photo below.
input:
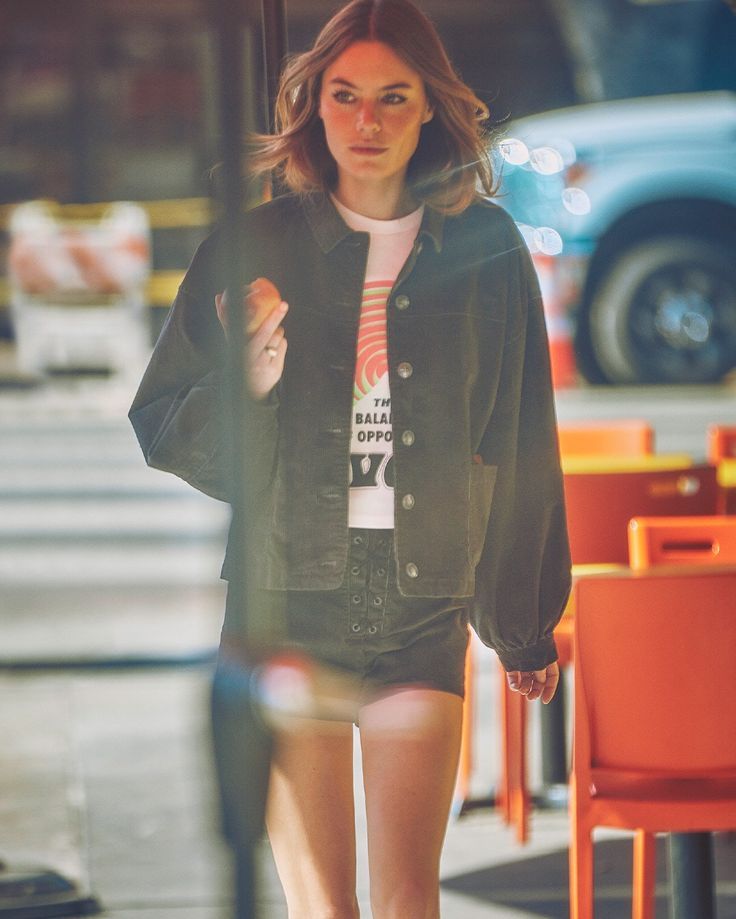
(382, 201)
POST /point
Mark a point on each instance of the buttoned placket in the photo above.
(405, 369)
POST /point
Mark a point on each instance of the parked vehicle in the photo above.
(629, 208)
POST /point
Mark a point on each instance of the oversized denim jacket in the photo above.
(472, 414)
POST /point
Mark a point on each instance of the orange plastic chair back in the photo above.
(654, 750)
(682, 540)
(600, 504)
(721, 442)
(628, 437)
(672, 631)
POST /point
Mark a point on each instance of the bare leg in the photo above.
(410, 742)
(310, 819)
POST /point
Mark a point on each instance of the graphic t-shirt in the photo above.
(371, 449)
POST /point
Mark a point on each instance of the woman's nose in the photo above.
(367, 119)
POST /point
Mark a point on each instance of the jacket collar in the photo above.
(329, 228)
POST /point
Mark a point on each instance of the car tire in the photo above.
(665, 312)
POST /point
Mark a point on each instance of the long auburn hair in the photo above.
(451, 167)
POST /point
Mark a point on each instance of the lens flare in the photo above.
(548, 241)
(546, 161)
(576, 201)
(514, 151)
(528, 234)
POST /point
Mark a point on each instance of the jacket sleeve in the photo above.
(181, 413)
(523, 578)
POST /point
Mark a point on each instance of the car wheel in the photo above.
(666, 313)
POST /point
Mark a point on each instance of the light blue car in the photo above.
(629, 208)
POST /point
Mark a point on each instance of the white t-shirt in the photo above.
(371, 502)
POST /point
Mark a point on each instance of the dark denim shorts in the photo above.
(367, 628)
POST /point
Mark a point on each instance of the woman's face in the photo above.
(373, 106)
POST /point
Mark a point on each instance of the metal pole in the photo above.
(692, 876)
(275, 48)
(241, 743)
(554, 750)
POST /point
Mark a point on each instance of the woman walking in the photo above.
(404, 429)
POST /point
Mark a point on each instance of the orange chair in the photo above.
(722, 453)
(625, 437)
(682, 540)
(721, 439)
(465, 763)
(630, 438)
(600, 504)
(649, 642)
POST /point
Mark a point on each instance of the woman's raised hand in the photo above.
(265, 348)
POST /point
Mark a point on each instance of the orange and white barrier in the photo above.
(559, 323)
(48, 257)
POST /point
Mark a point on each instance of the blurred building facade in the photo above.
(106, 100)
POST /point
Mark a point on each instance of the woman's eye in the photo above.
(343, 96)
(393, 99)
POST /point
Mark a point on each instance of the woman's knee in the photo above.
(346, 908)
(406, 898)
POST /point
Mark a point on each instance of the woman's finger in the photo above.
(260, 337)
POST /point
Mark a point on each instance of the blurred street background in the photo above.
(110, 597)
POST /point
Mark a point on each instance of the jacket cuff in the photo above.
(532, 657)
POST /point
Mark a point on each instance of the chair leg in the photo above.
(581, 863)
(465, 767)
(642, 904)
(514, 794)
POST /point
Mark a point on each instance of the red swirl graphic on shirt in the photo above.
(372, 358)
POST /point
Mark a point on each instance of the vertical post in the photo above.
(554, 748)
(275, 47)
(241, 746)
(82, 111)
(230, 29)
(692, 876)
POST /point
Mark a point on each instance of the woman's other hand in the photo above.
(535, 684)
(265, 349)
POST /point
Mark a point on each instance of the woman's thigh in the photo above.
(410, 743)
(310, 818)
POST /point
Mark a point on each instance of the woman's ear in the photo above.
(428, 114)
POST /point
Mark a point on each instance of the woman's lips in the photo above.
(368, 151)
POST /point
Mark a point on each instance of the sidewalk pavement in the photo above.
(106, 777)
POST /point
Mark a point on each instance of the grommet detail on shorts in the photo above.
(408, 502)
(377, 601)
(357, 540)
(405, 370)
(372, 629)
(411, 570)
(402, 301)
(355, 627)
(356, 598)
(380, 572)
(407, 438)
(355, 569)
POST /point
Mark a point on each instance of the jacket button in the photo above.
(407, 502)
(407, 438)
(405, 370)
(412, 570)
(402, 302)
